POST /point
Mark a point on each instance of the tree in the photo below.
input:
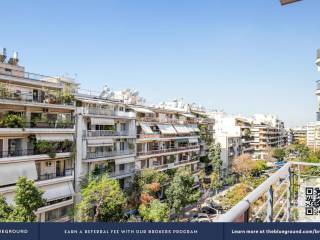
(180, 192)
(214, 156)
(102, 201)
(278, 153)
(155, 211)
(243, 165)
(215, 181)
(149, 182)
(5, 209)
(28, 199)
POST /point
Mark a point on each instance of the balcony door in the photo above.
(59, 168)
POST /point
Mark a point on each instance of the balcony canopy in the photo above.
(166, 129)
(142, 110)
(182, 129)
(194, 128)
(188, 115)
(146, 128)
(54, 137)
(102, 121)
(10, 173)
(58, 191)
(100, 142)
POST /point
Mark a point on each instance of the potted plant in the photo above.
(13, 121)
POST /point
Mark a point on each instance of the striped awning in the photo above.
(146, 128)
(166, 129)
(182, 129)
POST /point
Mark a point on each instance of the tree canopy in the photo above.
(154, 211)
(180, 192)
(102, 201)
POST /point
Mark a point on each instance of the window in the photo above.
(121, 167)
(123, 127)
(57, 213)
(121, 146)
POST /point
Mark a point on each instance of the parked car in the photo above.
(200, 217)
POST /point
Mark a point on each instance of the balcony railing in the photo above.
(159, 135)
(31, 76)
(113, 174)
(29, 98)
(28, 152)
(166, 120)
(153, 152)
(47, 176)
(186, 161)
(274, 200)
(104, 133)
(108, 112)
(41, 125)
(94, 155)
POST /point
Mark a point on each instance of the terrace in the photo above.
(280, 198)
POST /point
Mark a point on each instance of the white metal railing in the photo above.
(276, 195)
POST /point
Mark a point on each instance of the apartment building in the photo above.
(36, 136)
(268, 132)
(298, 135)
(106, 139)
(166, 138)
(313, 134)
(233, 133)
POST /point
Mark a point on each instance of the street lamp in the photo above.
(284, 2)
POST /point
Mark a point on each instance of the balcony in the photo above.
(108, 112)
(48, 176)
(318, 58)
(114, 174)
(32, 77)
(27, 152)
(60, 125)
(166, 120)
(277, 198)
(96, 155)
(104, 133)
(169, 150)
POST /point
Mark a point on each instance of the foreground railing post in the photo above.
(270, 205)
(289, 195)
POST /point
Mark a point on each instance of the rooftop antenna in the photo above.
(3, 55)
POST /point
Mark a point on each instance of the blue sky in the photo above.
(248, 56)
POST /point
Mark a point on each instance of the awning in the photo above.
(100, 142)
(124, 160)
(10, 173)
(182, 129)
(54, 137)
(142, 110)
(188, 115)
(146, 128)
(194, 128)
(166, 129)
(193, 140)
(58, 191)
(102, 121)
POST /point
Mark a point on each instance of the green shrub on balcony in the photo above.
(13, 121)
(4, 92)
(46, 147)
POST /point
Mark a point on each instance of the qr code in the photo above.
(312, 201)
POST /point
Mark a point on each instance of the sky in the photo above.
(242, 57)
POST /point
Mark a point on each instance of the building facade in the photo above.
(36, 136)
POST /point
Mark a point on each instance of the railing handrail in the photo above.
(241, 207)
(28, 152)
(167, 150)
(93, 155)
(39, 124)
(31, 76)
